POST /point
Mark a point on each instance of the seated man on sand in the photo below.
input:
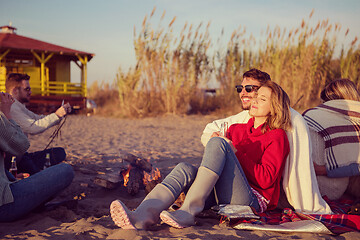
(18, 198)
(334, 132)
(299, 179)
(19, 87)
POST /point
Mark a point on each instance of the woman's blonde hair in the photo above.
(279, 108)
(340, 89)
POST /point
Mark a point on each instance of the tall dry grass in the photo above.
(172, 70)
(350, 62)
(301, 60)
(106, 97)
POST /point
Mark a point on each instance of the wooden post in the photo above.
(42, 60)
(3, 71)
(84, 62)
(42, 74)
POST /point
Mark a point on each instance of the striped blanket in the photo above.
(291, 221)
(338, 122)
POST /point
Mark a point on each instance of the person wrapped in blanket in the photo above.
(335, 136)
(243, 167)
(20, 197)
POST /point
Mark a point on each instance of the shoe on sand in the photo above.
(167, 218)
(120, 215)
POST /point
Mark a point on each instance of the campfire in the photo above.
(139, 174)
(135, 173)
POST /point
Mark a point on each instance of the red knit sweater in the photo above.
(262, 157)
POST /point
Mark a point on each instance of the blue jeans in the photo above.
(180, 178)
(232, 186)
(35, 190)
(34, 162)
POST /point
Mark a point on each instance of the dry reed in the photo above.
(172, 72)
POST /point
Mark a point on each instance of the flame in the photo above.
(126, 175)
(152, 176)
(148, 177)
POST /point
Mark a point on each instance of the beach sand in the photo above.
(93, 146)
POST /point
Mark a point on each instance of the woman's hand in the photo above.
(230, 143)
(217, 134)
(6, 100)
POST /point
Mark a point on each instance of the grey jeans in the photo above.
(232, 186)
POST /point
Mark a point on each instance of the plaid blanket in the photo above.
(337, 223)
(338, 122)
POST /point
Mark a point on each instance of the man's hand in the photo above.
(215, 134)
(320, 170)
(6, 100)
(63, 110)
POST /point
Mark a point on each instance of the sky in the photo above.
(106, 27)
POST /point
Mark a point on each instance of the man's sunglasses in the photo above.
(248, 88)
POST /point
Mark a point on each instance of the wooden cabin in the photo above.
(48, 66)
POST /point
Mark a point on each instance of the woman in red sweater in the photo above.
(244, 168)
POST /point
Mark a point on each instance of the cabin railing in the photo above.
(54, 88)
(58, 88)
(65, 88)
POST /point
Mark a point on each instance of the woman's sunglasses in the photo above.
(248, 88)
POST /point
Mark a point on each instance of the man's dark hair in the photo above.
(14, 80)
(256, 74)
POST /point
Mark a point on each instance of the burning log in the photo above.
(151, 180)
(135, 180)
(137, 174)
(137, 162)
(140, 174)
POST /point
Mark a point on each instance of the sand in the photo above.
(93, 145)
